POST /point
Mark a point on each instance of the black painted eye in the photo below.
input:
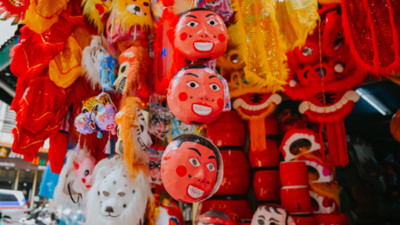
(146, 4)
(192, 24)
(214, 87)
(106, 193)
(195, 162)
(86, 173)
(211, 167)
(261, 222)
(212, 22)
(193, 84)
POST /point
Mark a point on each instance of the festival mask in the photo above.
(154, 166)
(297, 142)
(201, 35)
(75, 178)
(108, 67)
(196, 95)
(191, 168)
(105, 118)
(269, 214)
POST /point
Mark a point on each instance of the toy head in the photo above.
(201, 35)
(196, 95)
(269, 214)
(191, 168)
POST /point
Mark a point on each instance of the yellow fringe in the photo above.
(124, 119)
(92, 14)
(257, 134)
(152, 211)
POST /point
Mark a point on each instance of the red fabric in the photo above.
(58, 150)
(372, 30)
(15, 8)
(41, 104)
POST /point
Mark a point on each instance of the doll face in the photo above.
(271, 215)
(201, 35)
(189, 171)
(196, 96)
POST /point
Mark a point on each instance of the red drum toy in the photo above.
(227, 130)
(234, 208)
(307, 219)
(267, 185)
(236, 173)
(296, 200)
(294, 173)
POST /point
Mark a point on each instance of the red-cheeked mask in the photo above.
(191, 168)
(201, 35)
(196, 95)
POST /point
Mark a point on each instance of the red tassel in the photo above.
(337, 143)
(58, 150)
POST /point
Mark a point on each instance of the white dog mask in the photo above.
(116, 197)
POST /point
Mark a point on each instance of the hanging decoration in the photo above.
(197, 95)
(322, 76)
(118, 196)
(265, 36)
(191, 168)
(372, 30)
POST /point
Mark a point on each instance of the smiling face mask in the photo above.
(196, 95)
(191, 168)
(201, 35)
(270, 214)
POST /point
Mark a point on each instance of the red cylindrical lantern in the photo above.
(227, 130)
(293, 173)
(296, 200)
(333, 219)
(307, 219)
(236, 173)
(235, 209)
(265, 158)
(266, 184)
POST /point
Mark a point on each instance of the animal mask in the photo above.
(140, 136)
(95, 11)
(297, 142)
(200, 35)
(75, 179)
(91, 58)
(129, 20)
(191, 168)
(269, 214)
(324, 81)
(116, 197)
(196, 95)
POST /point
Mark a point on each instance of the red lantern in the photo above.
(236, 173)
(267, 185)
(296, 200)
(227, 130)
(234, 208)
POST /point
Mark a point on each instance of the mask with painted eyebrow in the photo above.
(201, 35)
(191, 168)
(196, 96)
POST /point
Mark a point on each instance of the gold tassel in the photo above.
(258, 141)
